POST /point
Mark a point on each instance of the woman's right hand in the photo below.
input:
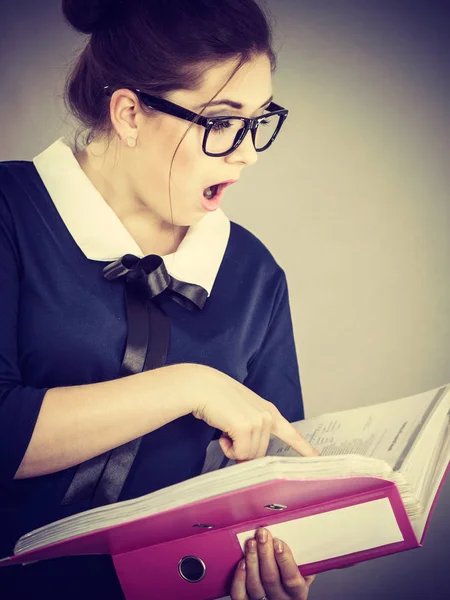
(246, 419)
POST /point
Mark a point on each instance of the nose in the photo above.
(245, 153)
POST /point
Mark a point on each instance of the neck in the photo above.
(153, 235)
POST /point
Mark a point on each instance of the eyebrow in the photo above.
(231, 103)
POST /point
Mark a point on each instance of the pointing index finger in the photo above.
(293, 438)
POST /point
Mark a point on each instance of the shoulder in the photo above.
(245, 248)
(20, 185)
(15, 168)
(17, 176)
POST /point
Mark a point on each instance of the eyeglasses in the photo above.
(223, 134)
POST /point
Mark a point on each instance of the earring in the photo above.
(131, 141)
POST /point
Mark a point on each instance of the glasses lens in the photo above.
(223, 135)
(265, 131)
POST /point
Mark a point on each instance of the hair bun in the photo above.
(89, 16)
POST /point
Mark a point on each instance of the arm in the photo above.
(79, 422)
(41, 430)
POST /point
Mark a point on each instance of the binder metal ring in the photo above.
(192, 569)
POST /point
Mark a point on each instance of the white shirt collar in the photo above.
(101, 235)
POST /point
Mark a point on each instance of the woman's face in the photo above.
(147, 165)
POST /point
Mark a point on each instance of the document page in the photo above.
(385, 431)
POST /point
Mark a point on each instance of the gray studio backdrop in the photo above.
(353, 201)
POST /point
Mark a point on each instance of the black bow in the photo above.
(150, 272)
(104, 476)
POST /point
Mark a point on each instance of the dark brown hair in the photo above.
(156, 46)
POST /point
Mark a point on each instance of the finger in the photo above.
(254, 585)
(255, 442)
(309, 579)
(238, 588)
(265, 434)
(293, 438)
(263, 443)
(261, 435)
(236, 446)
(291, 578)
(226, 445)
(268, 568)
(246, 438)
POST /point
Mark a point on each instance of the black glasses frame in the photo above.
(208, 123)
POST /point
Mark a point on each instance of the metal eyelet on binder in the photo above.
(276, 506)
(192, 569)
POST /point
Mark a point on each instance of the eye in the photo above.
(220, 126)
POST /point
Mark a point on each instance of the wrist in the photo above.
(185, 384)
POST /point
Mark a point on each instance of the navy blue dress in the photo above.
(63, 324)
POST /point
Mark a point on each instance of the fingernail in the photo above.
(261, 535)
(242, 564)
(278, 545)
(251, 545)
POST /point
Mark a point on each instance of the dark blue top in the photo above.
(63, 324)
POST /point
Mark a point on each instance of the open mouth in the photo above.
(214, 191)
(212, 195)
(211, 192)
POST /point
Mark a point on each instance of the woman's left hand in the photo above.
(268, 572)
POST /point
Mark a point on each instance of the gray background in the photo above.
(353, 201)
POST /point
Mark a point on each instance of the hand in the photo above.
(266, 573)
(246, 419)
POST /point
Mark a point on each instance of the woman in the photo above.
(91, 370)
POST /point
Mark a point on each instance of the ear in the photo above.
(124, 109)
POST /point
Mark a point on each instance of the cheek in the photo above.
(190, 167)
(161, 138)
